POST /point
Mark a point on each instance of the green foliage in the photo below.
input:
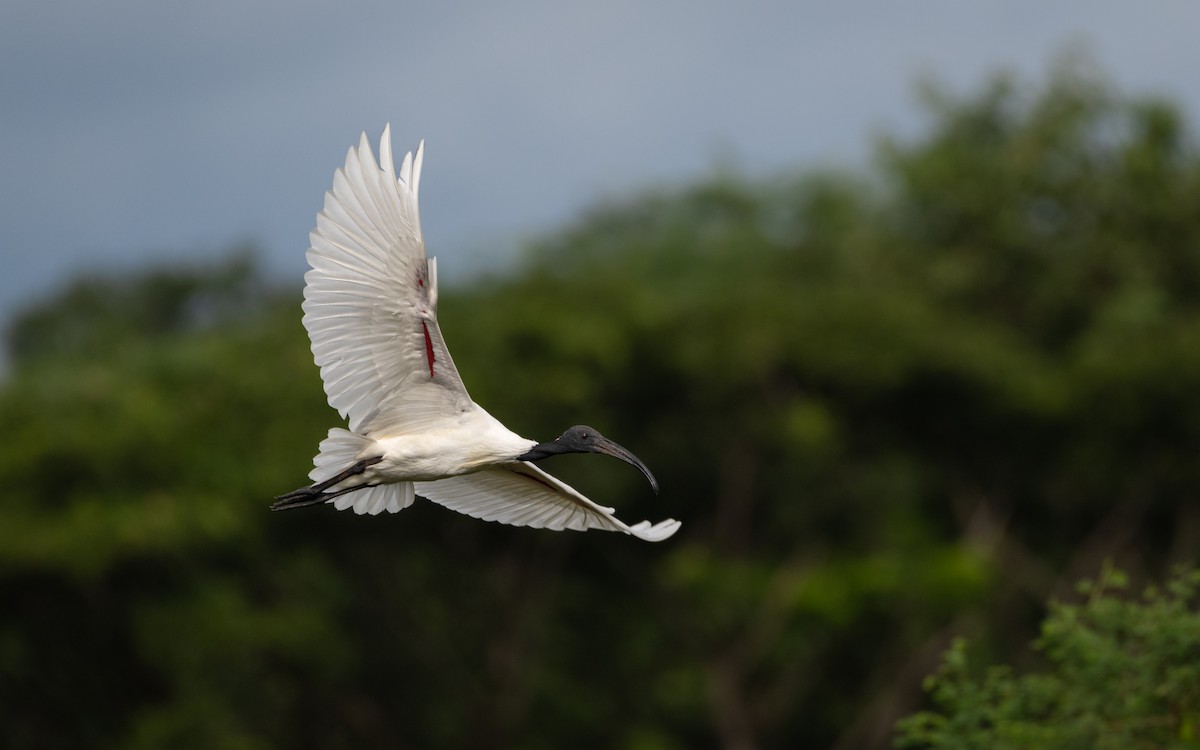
(99, 313)
(1122, 673)
(888, 408)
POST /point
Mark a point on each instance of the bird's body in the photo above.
(370, 304)
(476, 440)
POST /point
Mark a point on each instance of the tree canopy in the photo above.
(1124, 673)
(891, 408)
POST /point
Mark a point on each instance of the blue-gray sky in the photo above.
(138, 130)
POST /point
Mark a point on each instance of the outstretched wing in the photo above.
(521, 494)
(370, 301)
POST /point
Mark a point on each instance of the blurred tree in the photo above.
(100, 312)
(1124, 673)
(890, 409)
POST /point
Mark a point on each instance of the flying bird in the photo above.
(370, 307)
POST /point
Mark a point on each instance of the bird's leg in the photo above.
(316, 493)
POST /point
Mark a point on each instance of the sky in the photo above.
(139, 131)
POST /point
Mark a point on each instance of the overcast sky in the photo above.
(142, 130)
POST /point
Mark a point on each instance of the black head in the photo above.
(584, 439)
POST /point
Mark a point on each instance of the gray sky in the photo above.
(140, 130)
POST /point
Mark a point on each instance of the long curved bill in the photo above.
(609, 448)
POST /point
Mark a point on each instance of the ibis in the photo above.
(370, 308)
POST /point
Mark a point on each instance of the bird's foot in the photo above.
(316, 493)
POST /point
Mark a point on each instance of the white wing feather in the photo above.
(521, 494)
(370, 301)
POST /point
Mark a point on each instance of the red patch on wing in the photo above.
(428, 347)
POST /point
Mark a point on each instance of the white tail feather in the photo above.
(339, 450)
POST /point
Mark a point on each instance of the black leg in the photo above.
(316, 493)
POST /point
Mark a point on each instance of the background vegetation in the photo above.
(1123, 674)
(892, 408)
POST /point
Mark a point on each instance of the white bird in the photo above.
(370, 307)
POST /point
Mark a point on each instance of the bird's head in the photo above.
(584, 439)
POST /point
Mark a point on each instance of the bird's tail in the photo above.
(340, 458)
(341, 448)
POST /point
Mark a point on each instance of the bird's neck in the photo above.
(543, 450)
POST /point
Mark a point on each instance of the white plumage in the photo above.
(370, 307)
